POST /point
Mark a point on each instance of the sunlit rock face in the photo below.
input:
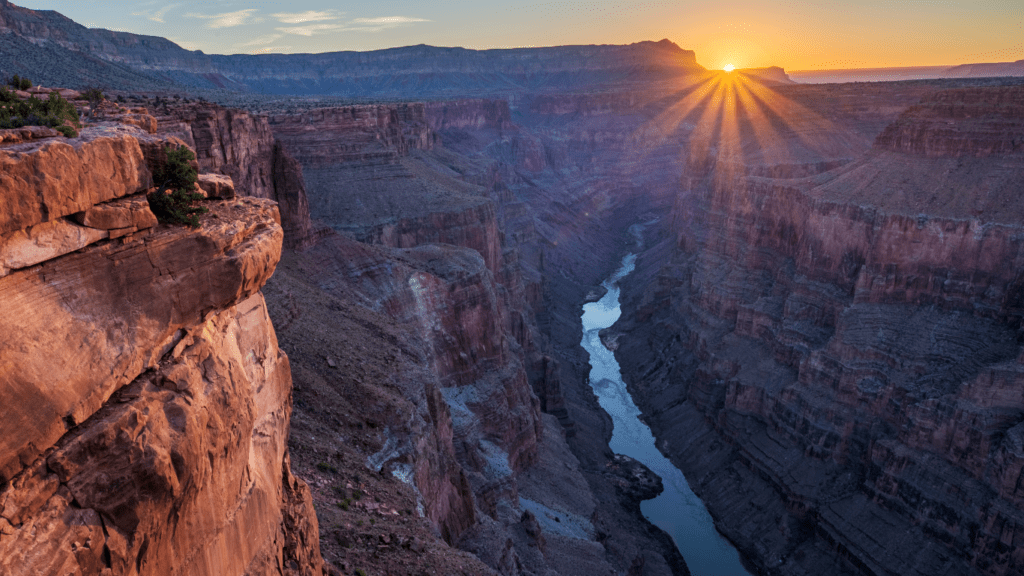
(148, 401)
(838, 367)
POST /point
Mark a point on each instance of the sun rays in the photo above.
(736, 121)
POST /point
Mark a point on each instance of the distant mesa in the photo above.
(996, 69)
(769, 74)
(30, 40)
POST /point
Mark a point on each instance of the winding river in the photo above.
(677, 510)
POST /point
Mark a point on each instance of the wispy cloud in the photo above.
(311, 29)
(262, 40)
(354, 25)
(157, 16)
(381, 23)
(307, 16)
(229, 19)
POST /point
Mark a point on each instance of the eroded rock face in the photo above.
(834, 377)
(49, 179)
(226, 141)
(970, 122)
(365, 132)
(148, 400)
(118, 308)
(240, 145)
(181, 473)
(290, 193)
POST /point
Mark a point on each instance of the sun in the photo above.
(729, 68)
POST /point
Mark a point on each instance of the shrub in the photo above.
(94, 97)
(55, 112)
(19, 83)
(325, 467)
(179, 177)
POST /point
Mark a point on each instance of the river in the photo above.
(677, 510)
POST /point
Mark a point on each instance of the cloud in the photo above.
(381, 23)
(157, 16)
(262, 40)
(388, 21)
(228, 19)
(307, 16)
(311, 29)
(355, 25)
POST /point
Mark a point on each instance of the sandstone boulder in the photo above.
(217, 185)
(128, 212)
(19, 135)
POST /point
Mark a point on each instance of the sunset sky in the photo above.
(795, 34)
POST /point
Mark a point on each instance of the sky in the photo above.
(794, 34)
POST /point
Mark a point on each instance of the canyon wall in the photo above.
(446, 204)
(835, 370)
(148, 400)
(241, 145)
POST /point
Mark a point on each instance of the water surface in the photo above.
(677, 510)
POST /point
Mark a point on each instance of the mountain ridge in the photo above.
(411, 71)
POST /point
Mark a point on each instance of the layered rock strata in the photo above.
(386, 175)
(163, 448)
(835, 377)
(241, 146)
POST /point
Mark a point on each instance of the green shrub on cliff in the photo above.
(174, 200)
(19, 83)
(55, 112)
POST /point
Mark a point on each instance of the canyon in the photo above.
(380, 317)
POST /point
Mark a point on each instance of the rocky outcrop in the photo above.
(240, 145)
(163, 449)
(49, 179)
(844, 364)
(183, 472)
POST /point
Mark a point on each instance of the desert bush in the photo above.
(55, 112)
(19, 83)
(174, 201)
(94, 97)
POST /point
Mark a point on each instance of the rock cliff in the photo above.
(241, 145)
(418, 181)
(831, 366)
(148, 399)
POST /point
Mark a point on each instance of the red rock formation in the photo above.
(848, 365)
(290, 193)
(163, 448)
(240, 145)
(52, 178)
